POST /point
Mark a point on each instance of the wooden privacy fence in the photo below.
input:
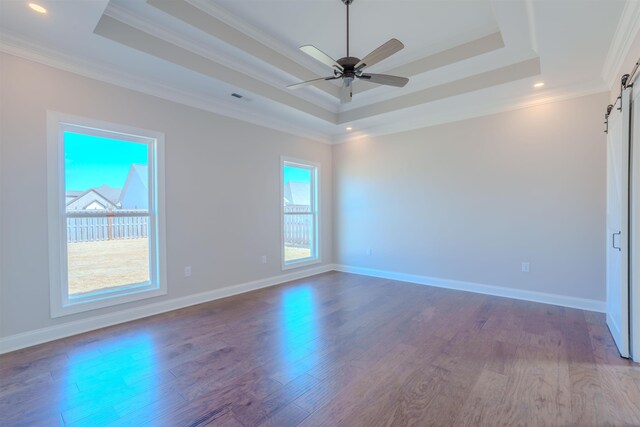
(298, 224)
(88, 226)
(85, 226)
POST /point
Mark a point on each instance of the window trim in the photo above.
(60, 304)
(314, 166)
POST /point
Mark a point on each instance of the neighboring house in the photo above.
(110, 193)
(297, 194)
(91, 199)
(133, 195)
(71, 195)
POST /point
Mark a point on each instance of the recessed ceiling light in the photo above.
(37, 8)
(539, 84)
(349, 128)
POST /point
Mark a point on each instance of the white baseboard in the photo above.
(554, 299)
(39, 336)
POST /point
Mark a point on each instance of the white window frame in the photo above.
(60, 302)
(314, 167)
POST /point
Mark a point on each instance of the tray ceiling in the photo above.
(464, 58)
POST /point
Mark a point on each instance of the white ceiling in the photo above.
(464, 58)
(425, 27)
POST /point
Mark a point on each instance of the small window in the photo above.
(299, 213)
(105, 215)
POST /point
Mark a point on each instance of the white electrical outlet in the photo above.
(264, 259)
(526, 267)
(187, 272)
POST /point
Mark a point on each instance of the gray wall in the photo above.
(465, 201)
(473, 199)
(226, 163)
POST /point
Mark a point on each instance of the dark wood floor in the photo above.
(334, 349)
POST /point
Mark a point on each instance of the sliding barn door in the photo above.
(618, 225)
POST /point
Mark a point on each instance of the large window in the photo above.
(105, 214)
(299, 213)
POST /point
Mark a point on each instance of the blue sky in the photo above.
(294, 174)
(91, 161)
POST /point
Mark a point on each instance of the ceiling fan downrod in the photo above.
(347, 3)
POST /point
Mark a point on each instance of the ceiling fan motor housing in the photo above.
(348, 63)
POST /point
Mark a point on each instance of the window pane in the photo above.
(297, 189)
(299, 208)
(107, 201)
(107, 264)
(298, 236)
(105, 174)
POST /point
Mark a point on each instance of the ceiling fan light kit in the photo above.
(350, 68)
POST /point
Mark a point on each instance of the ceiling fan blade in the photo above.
(384, 79)
(346, 93)
(319, 55)
(383, 52)
(311, 82)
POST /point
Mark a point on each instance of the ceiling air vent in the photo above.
(236, 95)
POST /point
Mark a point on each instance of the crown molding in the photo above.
(223, 15)
(205, 18)
(472, 43)
(127, 17)
(627, 31)
(132, 37)
(132, 33)
(15, 46)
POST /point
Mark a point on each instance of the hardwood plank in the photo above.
(11, 373)
(366, 393)
(255, 383)
(456, 368)
(484, 404)
(334, 349)
(617, 376)
(256, 412)
(149, 414)
(290, 415)
(413, 398)
(225, 420)
(91, 417)
(537, 389)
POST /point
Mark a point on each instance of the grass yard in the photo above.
(111, 263)
(291, 253)
(107, 264)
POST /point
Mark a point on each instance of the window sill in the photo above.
(302, 263)
(107, 301)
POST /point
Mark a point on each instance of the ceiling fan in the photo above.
(350, 68)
